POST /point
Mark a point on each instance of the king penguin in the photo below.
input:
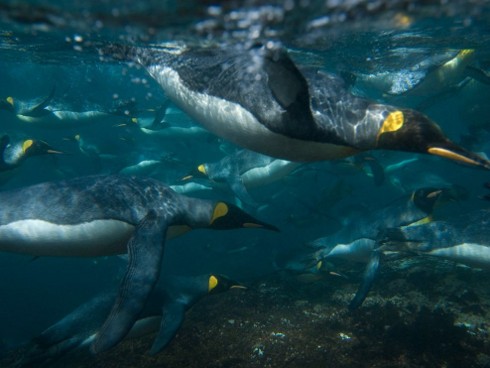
(163, 312)
(13, 154)
(357, 240)
(258, 98)
(243, 170)
(105, 215)
(463, 239)
(46, 112)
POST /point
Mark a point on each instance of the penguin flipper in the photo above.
(40, 109)
(477, 74)
(145, 250)
(172, 318)
(158, 122)
(377, 170)
(367, 281)
(237, 186)
(80, 323)
(40, 356)
(286, 82)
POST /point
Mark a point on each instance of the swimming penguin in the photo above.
(49, 113)
(12, 154)
(164, 312)
(105, 215)
(356, 241)
(463, 239)
(243, 170)
(259, 99)
(429, 78)
(167, 122)
(35, 108)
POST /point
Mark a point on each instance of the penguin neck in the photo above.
(197, 213)
(371, 122)
(13, 154)
(186, 290)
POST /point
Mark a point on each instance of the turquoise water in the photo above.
(53, 47)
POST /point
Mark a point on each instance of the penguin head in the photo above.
(199, 172)
(428, 198)
(7, 104)
(410, 130)
(220, 283)
(227, 216)
(32, 147)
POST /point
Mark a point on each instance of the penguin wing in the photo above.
(43, 356)
(377, 170)
(80, 323)
(70, 333)
(40, 109)
(367, 281)
(477, 74)
(172, 318)
(145, 250)
(236, 184)
(264, 81)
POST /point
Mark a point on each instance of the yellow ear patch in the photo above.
(392, 123)
(25, 146)
(212, 283)
(134, 120)
(202, 169)
(10, 100)
(220, 210)
(77, 137)
(319, 265)
(463, 54)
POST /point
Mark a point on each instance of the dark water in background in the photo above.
(46, 44)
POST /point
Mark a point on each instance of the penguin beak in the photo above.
(238, 287)
(260, 225)
(410, 130)
(199, 172)
(454, 152)
(228, 216)
(54, 152)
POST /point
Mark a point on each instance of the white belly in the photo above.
(231, 121)
(42, 238)
(359, 250)
(471, 254)
(65, 119)
(264, 175)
